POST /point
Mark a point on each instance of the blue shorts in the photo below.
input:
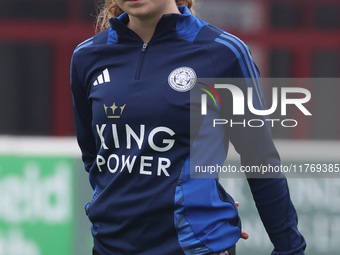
(230, 251)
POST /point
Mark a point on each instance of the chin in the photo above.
(141, 14)
(142, 11)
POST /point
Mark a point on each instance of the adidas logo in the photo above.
(102, 78)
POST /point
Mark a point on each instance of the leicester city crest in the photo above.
(182, 79)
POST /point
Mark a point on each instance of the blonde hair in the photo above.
(110, 9)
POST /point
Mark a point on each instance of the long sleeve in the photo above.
(83, 118)
(256, 148)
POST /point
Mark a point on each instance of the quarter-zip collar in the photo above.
(166, 28)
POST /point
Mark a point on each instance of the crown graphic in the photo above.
(110, 111)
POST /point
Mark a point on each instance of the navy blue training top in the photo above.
(137, 134)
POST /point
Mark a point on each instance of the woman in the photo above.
(131, 86)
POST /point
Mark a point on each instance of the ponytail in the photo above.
(110, 9)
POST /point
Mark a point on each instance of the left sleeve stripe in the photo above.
(250, 63)
(242, 65)
(245, 52)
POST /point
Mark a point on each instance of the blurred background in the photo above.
(43, 187)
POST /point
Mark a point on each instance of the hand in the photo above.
(244, 234)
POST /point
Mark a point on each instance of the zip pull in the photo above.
(144, 47)
(140, 62)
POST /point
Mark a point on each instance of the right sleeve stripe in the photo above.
(84, 44)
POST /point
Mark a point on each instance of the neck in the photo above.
(145, 27)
